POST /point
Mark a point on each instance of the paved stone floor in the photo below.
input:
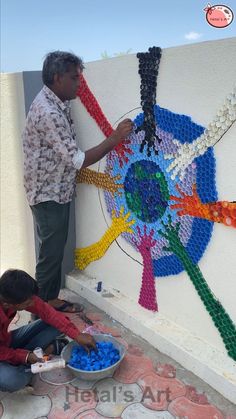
(147, 385)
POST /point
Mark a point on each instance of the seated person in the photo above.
(18, 291)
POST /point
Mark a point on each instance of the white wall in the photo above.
(193, 80)
(17, 243)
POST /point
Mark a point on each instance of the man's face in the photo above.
(68, 83)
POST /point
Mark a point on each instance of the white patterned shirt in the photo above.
(51, 155)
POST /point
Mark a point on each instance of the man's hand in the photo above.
(112, 142)
(87, 341)
(32, 358)
(122, 131)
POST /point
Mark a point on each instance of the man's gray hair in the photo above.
(59, 62)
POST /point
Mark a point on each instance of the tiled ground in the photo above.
(147, 385)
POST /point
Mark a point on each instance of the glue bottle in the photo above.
(48, 365)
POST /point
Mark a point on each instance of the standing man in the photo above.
(51, 159)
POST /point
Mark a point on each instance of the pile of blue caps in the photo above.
(105, 356)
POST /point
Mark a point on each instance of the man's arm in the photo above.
(54, 133)
(50, 316)
(13, 356)
(53, 317)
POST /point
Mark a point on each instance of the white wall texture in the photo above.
(193, 80)
(17, 242)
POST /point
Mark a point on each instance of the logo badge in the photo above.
(219, 15)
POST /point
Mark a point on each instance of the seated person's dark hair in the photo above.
(17, 286)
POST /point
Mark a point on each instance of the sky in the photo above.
(91, 28)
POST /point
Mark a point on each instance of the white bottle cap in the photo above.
(38, 352)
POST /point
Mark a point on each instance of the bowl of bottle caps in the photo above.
(97, 364)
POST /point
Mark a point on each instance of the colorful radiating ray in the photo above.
(120, 224)
(218, 212)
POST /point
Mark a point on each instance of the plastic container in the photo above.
(94, 375)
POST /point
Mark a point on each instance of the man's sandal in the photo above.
(73, 307)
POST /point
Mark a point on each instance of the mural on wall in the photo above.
(160, 192)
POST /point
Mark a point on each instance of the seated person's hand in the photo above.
(32, 358)
(87, 341)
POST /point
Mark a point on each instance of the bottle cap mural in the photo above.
(160, 192)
